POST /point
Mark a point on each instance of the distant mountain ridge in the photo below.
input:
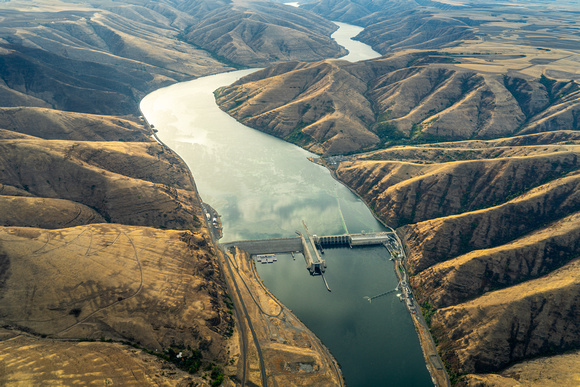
(103, 60)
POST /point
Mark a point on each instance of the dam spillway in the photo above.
(354, 240)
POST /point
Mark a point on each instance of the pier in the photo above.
(370, 299)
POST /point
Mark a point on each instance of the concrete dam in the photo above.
(268, 246)
(314, 263)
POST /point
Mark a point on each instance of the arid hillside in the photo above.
(51, 124)
(85, 363)
(82, 58)
(126, 272)
(253, 33)
(90, 209)
(155, 289)
(129, 183)
(337, 107)
(104, 57)
(394, 25)
(492, 231)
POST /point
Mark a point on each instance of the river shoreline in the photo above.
(423, 335)
(263, 187)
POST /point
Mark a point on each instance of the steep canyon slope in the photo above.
(337, 107)
(103, 58)
(85, 255)
(491, 229)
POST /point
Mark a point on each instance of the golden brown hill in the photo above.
(518, 146)
(530, 319)
(104, 57)
(297, 102)
(337, 107)
(53, 124)
(404, 193)
(129, 183)
(469, 275)
(439, 239)
(156, 288)
(22, 211)
(84, 363)
(253, 33)
(160, 290)
(492, 231)
(554, 370)
(558, 137)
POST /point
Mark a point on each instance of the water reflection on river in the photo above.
(265, 187)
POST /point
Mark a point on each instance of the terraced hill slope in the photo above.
(337, 107)
(492, 231)
(104, 57)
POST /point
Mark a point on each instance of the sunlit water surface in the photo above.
(264, 187)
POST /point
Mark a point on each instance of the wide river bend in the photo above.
(264, 187)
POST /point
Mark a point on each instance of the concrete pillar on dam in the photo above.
(307, 255)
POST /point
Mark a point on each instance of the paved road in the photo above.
(429, 349)
(248, 321)
(239, 305)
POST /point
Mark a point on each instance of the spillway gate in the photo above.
(354, 240)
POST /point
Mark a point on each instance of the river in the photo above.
(264, 187)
